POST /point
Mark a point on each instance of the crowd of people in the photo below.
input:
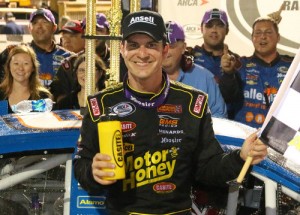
(168, 92)
(210, 67)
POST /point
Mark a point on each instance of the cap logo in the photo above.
(70, 24)
(215, 14)
(169, 29)
(143, 19)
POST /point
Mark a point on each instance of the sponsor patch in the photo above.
(164, 187)
(250, 65)
(165, 140)
(95, 107)
(58, 58)
(283, 69)
(128, 126)
(129, 135)
(164, 131)
(91, 202)
(128, 147)
(251, 77)
(251, 82)
(259, 118)
(123, 109)
(142, 19)
(168, 108)
(168, 121)
(150, 168)
(249, 116)
(198, 104)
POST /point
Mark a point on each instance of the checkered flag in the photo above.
(281, 131)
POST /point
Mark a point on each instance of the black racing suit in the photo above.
(169, 144)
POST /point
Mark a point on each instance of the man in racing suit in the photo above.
(167, 131)
(215, 27)
(261, 74)
(42, 28)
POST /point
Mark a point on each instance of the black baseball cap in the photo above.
(146, 22)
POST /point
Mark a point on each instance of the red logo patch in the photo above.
(95, 107)
(198, 104)
(128, 126)
(164, 187)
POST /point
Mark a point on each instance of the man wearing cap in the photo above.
(261, 74)
(42, 28)
(177, 67)
(71, 36)
(64, 79)
(102, 28)
(11, 26)
(168, 137)
(215, 27)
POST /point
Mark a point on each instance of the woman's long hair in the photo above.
(35, 87)
(100, 66)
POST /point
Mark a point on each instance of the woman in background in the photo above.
(21, 81)
(76, 99)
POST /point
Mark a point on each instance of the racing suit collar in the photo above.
(264, 63)
(146, 100)
(36, 47)
(206, 52)
(211, 53)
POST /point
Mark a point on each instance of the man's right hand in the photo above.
(227, 61)
(100, 162)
